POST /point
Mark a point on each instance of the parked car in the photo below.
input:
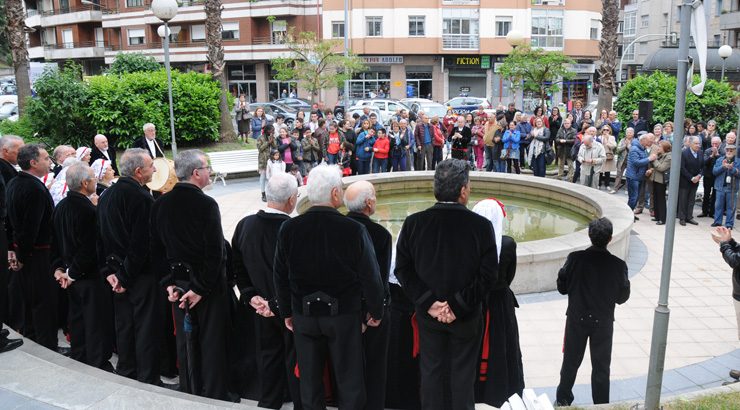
(387, 107)
(8, 110)
(272, 110)
(410, 101)
(464, 105)
(298, 103)
(430, 108)
(8, 99)
(361, 112)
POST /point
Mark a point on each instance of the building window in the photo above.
(548, 2)
(594, 29)
(337, 29)
(279, 31)
(230, 31)
(460, 33)
(135, 36)
(630, 21)
(717, 40)
(134, 3)
(629, 52)
(718, 10)
(416, 26)
(645, 21)
(503, 25)
(547, 28)
(374, 26)
(198, 33)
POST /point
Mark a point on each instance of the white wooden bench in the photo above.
(230, 162)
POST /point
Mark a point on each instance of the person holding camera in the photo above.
(731, 253)
(726, 172)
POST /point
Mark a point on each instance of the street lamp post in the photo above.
(346, 54)
(624, 51)
(166, 10)
(724, 52)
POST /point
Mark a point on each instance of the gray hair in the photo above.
(694, 138)
(321, 181)
(148, 126)
(7, 140)
(188, 161)
(716, 139)
(658, 126)
(131, 159)
(58, 151)
(77, 174)
(646, 136)
(450, 176)
(358, 203)
(587, 137)
(280, 188)
(711, 122)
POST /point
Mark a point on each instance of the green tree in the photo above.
(214, 41)
(716, 103)
(15, 30)
(5, 57)
(316, 64)
(608, 49)
(133, 63)
(536, 70)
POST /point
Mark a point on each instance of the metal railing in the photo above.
(67, 10)
(79, 44)
(268, 40)
(460, 41)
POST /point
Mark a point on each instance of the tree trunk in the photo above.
(608, 49)
(17, 41)
(216, 59)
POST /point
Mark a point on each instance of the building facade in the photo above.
(437, 49)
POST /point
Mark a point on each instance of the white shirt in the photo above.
(105, 152)
(152, 147)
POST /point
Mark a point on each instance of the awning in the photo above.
(665, 59)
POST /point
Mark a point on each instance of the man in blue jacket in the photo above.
(726, 172)
(637, 164)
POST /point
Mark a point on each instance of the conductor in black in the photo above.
(325, 268)
(188, 242)
(595, 281)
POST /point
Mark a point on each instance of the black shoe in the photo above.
(692, 221)
(653, 219)
(264, 198)
(4, 333)
(735, 374)
(682, 222)
(660, 223)
(702, 215)
(715, 224)
(10, 344)
(169, 386)
(64, 351)
(637, 219)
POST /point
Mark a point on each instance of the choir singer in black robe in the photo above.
(360, 200)
(188, 242)
(254, 253)
(447, 287)
(75, 267)
(29, 211)
(123, 257)
(325, 268)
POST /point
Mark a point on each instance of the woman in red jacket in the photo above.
(380, 151)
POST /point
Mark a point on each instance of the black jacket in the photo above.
(73, 244)
(731, 252)
(30, 209)
(97, 154)
(123, 229)
(186, 228)
(382, 244)
(253, 255)
(461, 143)
(506, 263)
(427, 274)
(7, 170)
(594, 280)
(141, 143)
(690, 167)
(323, 250)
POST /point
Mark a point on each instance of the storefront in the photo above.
(419, 82)
(580, 86)
(467, 75)
(242, 79)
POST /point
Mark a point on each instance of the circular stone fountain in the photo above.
(548, 218)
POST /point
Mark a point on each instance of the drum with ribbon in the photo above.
(164, 178)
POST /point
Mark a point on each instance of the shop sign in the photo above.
(485, 62)
(581, 68)
(469, 61)
(383, 60)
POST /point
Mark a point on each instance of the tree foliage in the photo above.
(536, 70)
(315, 63)
(71, 111)
(133, 63)
(716, 103)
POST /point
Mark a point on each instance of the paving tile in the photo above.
(674, 381)
(698, 374)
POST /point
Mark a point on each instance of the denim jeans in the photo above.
(380, 165)
(538, 165)
(633, 190)
(399, 163)
(331, 158)
(724, 205)
(363, 166)
(499, 165)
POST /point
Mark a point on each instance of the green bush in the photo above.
(715, 103)
(133, 63)
(22, 128)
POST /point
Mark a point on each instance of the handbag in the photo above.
(474, 141)
(549, 154)
(505, 153)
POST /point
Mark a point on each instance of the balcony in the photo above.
(460, 42)
(36, 52)
(33, 18)
(65, 16)
(729, 21)
(269, 41)
(65, 51)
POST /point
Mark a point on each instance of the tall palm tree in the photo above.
(16, 34)
(608, 50)
(216, 59)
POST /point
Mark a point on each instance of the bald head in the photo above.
(360, 197)
(101, 142)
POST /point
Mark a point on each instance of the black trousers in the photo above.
(659, 200)
(377, 340)
(209, 343)
(39, 300)
(686, 199)
(138, 330)
(341, 337)
(276, 358)
(4, 277)
(710, 195)
(89, 321)
(578, 330)
(448, 358)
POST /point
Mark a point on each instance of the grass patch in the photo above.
(213, 147)
(724, 401)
